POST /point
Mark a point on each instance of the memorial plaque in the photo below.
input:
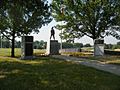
(28, 50)
(27, 47)
(98, 47)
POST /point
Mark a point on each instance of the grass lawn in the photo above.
(6, 52)
(46, 73)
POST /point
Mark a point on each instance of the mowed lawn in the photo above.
(46, 73)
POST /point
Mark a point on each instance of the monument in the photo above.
(98, 47)
(52, 33)
(27, 47)
(52, 45)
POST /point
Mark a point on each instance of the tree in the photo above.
(108, 46)
(118, 43)
(17, 44)
(87, 45)
(21, 17)
(94, 18)
(40, 44)
(78, 45)
(67, 45)
(4, 42)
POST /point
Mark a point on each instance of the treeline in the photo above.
(74, 45)
(42, 44)
(39, 44)
(5, 43)
(112, 46)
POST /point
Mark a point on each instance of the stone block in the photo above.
(52, 47)
(27, 47)
(98, 47)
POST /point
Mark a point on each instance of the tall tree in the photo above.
(21, 17)
(94, 18)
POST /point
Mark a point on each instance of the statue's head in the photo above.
(52, 28)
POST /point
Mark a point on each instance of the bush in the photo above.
(87, 45)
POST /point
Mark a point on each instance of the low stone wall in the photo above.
(70, 50)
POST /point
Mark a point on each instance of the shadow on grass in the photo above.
(49, 74)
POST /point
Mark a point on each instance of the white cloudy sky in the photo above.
(44, 34)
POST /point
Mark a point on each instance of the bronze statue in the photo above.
(52, 33)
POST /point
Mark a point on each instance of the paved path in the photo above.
(115, 69)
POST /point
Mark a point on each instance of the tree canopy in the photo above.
(94, 18)
(21, 17)
(24, 16)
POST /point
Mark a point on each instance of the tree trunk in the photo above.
(94, 47)
(13, 45)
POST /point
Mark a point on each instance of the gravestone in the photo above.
(27, 47)
(98, 47)
(53, 47)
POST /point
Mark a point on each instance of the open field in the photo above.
(6, 52)
(46, 73)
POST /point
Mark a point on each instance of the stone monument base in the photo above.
(98, 50)
(27, 47)
(98, 47)
(53, 47)
(27, 57)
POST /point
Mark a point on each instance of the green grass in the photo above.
(7, 52)
(50, 74)
(39, 52)
(88, 48)
(46, 73)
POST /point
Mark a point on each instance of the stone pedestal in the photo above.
(52, 47)
(98, 47)
(27, 47)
